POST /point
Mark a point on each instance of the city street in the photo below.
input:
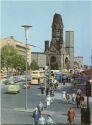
(46, 63)
(12, 105)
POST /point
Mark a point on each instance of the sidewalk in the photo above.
(57, 115)
(45, 112)
(58, 111)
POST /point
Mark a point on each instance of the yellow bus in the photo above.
(37, 76)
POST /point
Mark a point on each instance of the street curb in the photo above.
(45, 112)
(24, 110)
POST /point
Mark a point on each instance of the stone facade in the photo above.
(69, 41)
(20, 46)
(78, 61)
(40, 58)
(57, 54)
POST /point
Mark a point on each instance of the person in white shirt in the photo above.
(79, 92)
(41, 120)
(74, 98)
(64, 96)
(48, 100)
(49, 120)
(40, 106)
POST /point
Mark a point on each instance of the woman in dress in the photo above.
(71, 115)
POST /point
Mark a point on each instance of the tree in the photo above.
(19, 63)
(7, 53)
(34, 65)
(10, 59)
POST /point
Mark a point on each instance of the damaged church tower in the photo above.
(57, 56)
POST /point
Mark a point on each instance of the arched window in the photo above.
(53, 59)
(66, 60)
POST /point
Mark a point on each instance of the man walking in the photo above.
(36, 116)
(40, 107)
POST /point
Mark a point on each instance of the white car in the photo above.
(14, 88)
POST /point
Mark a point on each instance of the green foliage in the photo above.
(19, 63)
(10, 59)
(34, 65)
(7, 53)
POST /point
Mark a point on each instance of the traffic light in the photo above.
(88, 88)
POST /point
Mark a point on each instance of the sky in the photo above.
(76, 15)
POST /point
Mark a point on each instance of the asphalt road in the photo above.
(11, 102)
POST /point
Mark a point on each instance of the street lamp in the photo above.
(26, 28)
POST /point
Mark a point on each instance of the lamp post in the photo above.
(91, 58)
(26, 28)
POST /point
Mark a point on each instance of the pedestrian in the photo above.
(64, 97)
(41, 120)
(47, 91)
(52, 91)
(49, 120)
(67, 97)
(64, 82)
(78, 100)
(40, 107)
(73, 98)
(55, 81)
(48, 100)
(81, 101)
(71, 116)
(52, 94)
(55, 86)
(36, 116)
(42, 90)
(79, 92)
(70, 99)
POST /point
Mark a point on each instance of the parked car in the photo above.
(13, 89)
